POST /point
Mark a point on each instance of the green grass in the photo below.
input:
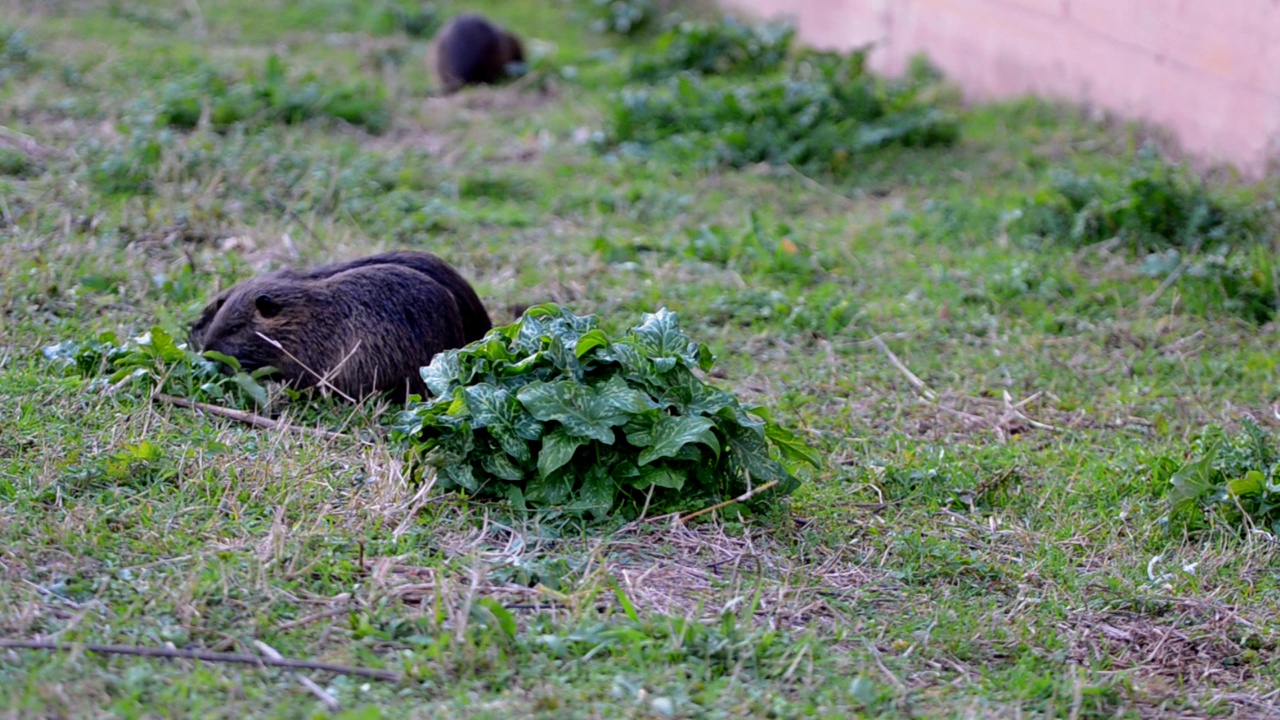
(954, 558)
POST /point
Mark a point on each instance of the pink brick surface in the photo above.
(1206, 70)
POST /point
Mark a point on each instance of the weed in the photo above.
(159, 364)
(1232, 478)
(1155, 208)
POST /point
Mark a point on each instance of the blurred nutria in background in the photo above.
(471, 50)
(366, 325)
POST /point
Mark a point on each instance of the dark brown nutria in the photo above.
(475, 320)
(367, 326)
(471, 50)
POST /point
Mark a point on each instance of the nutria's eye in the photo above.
(218, 305)
(267, 307)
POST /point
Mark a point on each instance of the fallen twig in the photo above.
(250, 418)
(201, 655)
(321, 694)
(741, 498)
(916, 382)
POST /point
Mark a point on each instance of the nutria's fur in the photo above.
(471, 50)
(475, 320)
(388, 309)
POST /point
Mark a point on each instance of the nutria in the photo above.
(367, 326)
(470, 50)
(475, 320)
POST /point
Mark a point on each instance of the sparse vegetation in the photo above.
(268, 97)
(1173, 225)
(1000, 406)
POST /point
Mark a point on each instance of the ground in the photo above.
(986, 537)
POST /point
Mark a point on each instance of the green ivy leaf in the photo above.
(458, 475)
(558, 447)
(669, 434)
(444, 372)
(579, 408)
(590, 340)
(660, 337)
(662, 476)
(596, 494)
(550, 490)
(500, 466)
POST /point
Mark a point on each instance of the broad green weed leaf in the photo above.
(228, 360)
(790, 446)
(250, 387)
(1253, 483)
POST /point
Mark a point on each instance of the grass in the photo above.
(998, 550)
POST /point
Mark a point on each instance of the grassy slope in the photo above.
(954, 562)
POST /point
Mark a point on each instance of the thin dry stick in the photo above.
(1151, 299)
(916, 382)
(741, 498)
(201, 655)
(321, 694)
(250, 418)
(306, 619)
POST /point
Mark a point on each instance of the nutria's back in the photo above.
(475, 320)
(364, 329)
(472, 50)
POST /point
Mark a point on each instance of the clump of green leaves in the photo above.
(821, 115)
(625, 18)
(727, 47)
(266, 98)
(413, 18)
(16, 163)
(1155, 208)
(156, 363)
(16, 55)
(1234, 479)
(552, 413)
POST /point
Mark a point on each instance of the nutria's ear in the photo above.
(267, 307)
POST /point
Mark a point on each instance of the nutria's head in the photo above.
(195, 336)
(509, 49)
(274, 306)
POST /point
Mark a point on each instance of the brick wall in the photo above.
(1206, 70)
